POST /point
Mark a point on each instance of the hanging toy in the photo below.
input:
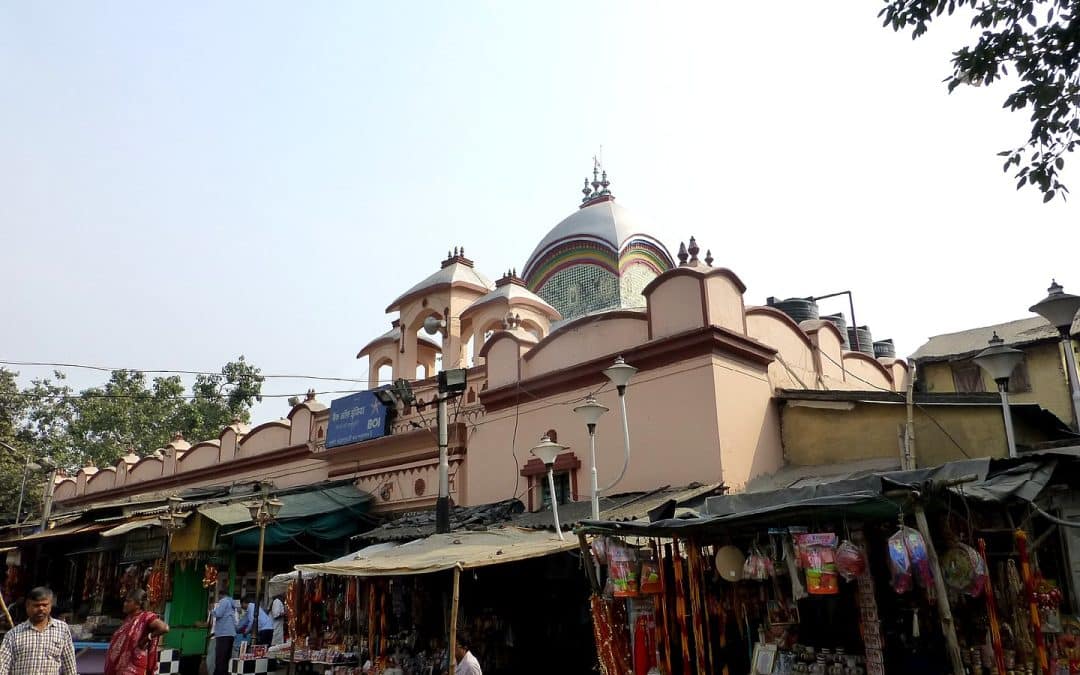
(899, 563)
(850, 561)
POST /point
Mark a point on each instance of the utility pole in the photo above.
(451, 383)
(442, 505)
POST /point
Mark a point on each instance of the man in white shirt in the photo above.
(277, 613)
(466, 662)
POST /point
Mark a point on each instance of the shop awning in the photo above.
(63, 531)
(325, 513)
(227, 514)
(280, 582)
(132, 525)
(464, 550)
(864, 495)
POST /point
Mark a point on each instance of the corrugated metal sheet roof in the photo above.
(619, 507)
(962, 343)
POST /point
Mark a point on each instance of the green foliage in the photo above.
(128, 413)
(1039, 41)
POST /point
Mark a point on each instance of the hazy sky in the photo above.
(181, 183)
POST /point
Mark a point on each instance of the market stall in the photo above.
(931, 571)
(399, 609)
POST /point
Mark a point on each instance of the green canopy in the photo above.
(327, 513)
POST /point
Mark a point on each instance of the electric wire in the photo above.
(148, 371)
(902, 397)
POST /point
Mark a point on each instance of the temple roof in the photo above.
(456, 270)
(512, 289)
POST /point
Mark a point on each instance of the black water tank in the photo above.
(799, 309)
(865, 340)
(840, 322)
(885, 349)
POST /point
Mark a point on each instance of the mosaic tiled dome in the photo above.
(598, 258)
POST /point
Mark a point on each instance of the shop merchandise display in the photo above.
(738, 606)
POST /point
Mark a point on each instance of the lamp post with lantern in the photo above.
(999, 362)
(171, 521)
(591, 411)
(1060, 308)
(546, 451)
(263, 512)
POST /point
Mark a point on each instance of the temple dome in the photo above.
(599, 257)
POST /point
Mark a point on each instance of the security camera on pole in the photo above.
(451, 384)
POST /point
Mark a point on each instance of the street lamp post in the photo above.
(28, 467)
(619, 374)
(1060, 308)
(592, 412)
(546, 452)
(171, 521)
(263, 513)
(999, 362)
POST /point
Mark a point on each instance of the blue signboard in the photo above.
(355, 418)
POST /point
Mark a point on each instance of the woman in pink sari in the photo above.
(133, 648)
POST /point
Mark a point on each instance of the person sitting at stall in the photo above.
(133, 647)
(466, 662)
(257, 623)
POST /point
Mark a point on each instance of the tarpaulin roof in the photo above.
(280, 582)
(325, 513)
(422, 523)
(864, 495)
(464, 550)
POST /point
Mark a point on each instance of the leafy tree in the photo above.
(1039, 42)
(128, 413)
(13, 409)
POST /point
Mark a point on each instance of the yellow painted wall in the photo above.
(829, 433)
(1046, 373)
(196, 535)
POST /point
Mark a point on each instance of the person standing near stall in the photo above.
(41, 645)
(277, 613)
(466, 662)
(257, 624)
(133, 647)
(224, 632)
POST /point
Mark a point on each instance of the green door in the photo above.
(190, 604)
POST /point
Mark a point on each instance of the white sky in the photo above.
(180, 184)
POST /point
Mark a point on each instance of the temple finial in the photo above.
(693, 249)
(682, 253)
(708, 257)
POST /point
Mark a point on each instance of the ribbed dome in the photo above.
(605, 222)
(600, 257)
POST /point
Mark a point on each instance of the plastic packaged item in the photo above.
(600, 549)
(817, 558)
(920, 559)
(758, 566)
(649, 583)
(899, 563)
(850, 561)
(623, 570)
